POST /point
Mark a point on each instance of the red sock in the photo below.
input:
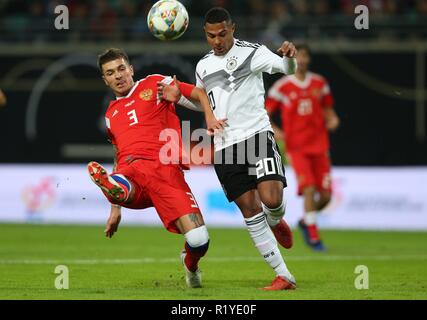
(313, 233)
(193, 256)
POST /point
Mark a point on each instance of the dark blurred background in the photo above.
(56, 99)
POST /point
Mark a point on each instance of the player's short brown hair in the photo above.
(110, 55)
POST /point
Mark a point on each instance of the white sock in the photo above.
(264, 241)
(310, 218)
(274, 215)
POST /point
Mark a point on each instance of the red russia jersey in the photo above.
(302, 104)
(136, 124)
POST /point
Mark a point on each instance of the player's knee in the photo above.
(325, 198)
(197, 239)
(272, 197)
(309, 191)
(250, 208)
(271, 194)
(275, 208)
(273, 200)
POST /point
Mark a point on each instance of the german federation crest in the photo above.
(231, 63)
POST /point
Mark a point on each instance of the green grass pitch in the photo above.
(143, 263)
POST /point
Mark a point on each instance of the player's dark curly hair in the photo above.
(217, 15)
(110, 55)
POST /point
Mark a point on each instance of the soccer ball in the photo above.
(167, 19)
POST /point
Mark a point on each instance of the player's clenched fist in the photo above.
(288, 50)
(169, 92)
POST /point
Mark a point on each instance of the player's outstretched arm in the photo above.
(172, 93)
(289, 53)
(169, 92)
(213, 125)
(267, 61)
(2, 99)
(116, 210)
(113, 221)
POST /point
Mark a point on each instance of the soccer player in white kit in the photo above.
(247, 162)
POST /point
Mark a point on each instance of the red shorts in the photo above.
(162, 187)
(311, 170)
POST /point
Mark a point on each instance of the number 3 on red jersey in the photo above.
(194, 205)
(132, 117)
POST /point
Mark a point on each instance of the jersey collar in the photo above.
(301, 84)
(130, 92)
(232, 47)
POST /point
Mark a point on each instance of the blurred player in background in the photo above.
(306, 105)
(2, 99)
(232, 75)
(142, 177)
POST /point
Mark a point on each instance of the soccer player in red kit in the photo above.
(142, 175)
(306, 105)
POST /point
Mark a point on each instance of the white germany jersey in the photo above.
(235, 89)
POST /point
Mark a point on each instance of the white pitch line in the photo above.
(208, 259)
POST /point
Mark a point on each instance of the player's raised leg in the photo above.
(270, 184)
(274, 207)
(116, 187)
(196, 245)
(263, 239)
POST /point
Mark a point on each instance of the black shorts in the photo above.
(243, 165)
